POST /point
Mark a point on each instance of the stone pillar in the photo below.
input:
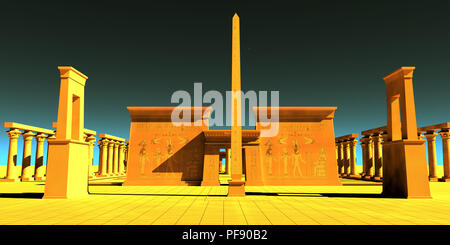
(91, 140)
(49, 139)
(227, 162)
(127, 148)
(346, 157)
(364, 149)
(110, 158)
(431, 144)
(116, 159)
(210, 167)
(378, 156)
(339, 157)
(39, 168)
(369, 158)
(11, 175)
(103, 158)
(121, 158)
(445, 135)
(27, 170)
(68, 154)
(352, 148)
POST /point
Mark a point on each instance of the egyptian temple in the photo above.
(305, 151)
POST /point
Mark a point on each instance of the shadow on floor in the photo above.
(349, 195)
(22, 195)
(157, 194)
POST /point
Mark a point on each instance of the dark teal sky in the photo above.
(326, 53)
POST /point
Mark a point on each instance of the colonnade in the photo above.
(112, 157)
(430, 135)
(117, 146)
(28, 133)
(346, 155)
(372, 148)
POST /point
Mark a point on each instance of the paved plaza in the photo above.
(355, 203)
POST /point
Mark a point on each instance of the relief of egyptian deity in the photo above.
(297, 159)
(169, 148)
(143, 157)
(158, 155)
(269, 154)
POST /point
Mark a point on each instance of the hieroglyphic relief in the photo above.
(298, 149)
(167, 153)
(269, 156)
(297, 159)
(143, 156)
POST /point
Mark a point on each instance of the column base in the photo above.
(27, 179)
(236, 188)
(433, 178)
(354, 176)
(9, 180)
(367, 177)
(445, 179)
(39, 178)
(377, 178)
(102, 175)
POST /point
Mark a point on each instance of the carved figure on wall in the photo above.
(297, 159)
(143, 156)
(269, 156)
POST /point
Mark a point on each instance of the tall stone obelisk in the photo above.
(236, 185)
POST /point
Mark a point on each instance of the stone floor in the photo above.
(110, 203)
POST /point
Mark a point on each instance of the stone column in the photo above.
(110, 157)
(227, 162)
(364, 154)
(369, 158)
(11, 175)
(431, 144)
(352, 146)
(27, 170)
(39, 168)
(378, 156)
(339, 157)
(103, 158)
(91, 140)
(346, 157)
(121, 158)
(116, 158)
(49, 139)
(445, 135)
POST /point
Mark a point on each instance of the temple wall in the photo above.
(163, 154)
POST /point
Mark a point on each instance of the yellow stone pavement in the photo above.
(21, 204)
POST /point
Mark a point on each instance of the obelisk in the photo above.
(236, 185)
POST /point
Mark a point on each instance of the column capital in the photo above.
(91, 139)
(14, 134)
(377, 138)
(353, 142)
(445, 135)
(431, 136)
(40, 137)
(103, 142)
(364, 140)
(28, 135)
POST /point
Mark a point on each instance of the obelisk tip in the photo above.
(235, 16)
